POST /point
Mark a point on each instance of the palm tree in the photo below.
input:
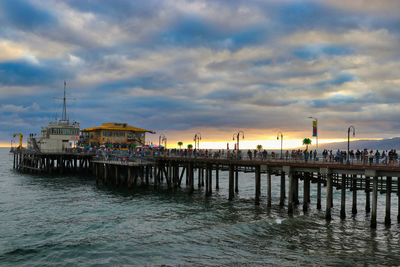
(259, 147)
(307, 141)
(190, 146)
(180, 144)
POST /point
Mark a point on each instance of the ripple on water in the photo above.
(48, 220)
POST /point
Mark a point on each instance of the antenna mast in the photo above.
(64, 115)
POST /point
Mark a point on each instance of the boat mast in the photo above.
(64, 115)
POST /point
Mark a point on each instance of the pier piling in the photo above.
(354, 186)
(258, 184)
(269, 189)
(388, 200)
(283, 193)
(343, 198)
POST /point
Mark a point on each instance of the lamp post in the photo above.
(161, 137)
(237, 136)
(316, 136)
(277, 138)
(348, 141)
(196, 139)
(164, 139)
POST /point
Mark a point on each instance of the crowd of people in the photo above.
(365, 157)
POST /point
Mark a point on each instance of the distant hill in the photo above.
(384, 144)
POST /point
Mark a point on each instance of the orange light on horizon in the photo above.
(252, 144)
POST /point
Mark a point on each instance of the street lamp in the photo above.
(348, 141)
(316, 134)
(277, 138)
(237, 135)
(164, 139)
(159, 139)
(197, 138)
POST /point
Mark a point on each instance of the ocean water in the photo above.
(69, 221)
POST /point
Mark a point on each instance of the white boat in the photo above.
(57, 137)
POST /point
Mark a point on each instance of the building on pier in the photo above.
(114, 133)
(58, 136)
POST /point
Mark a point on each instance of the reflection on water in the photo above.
(69, 220)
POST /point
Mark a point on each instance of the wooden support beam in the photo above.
(217, 176)
(210, 178)
(231, 181)
(367, 194)
(354, 187)
(191, 177)
(207, 181)
(343, 197)
(184, 169)
(148, 172)
(388, 220)
(202, 176)
(374, 201)
(157, 174)
(269, 189)
(319, 206)
(296, 189)
(165, 169)
(306, 191)
(237, 180)
(283, 193)
(96, 168)
(329, 194)
(199, 177)
(258, 184)
(129, 177)
(105, 177)
(116, 178)
(291, 191)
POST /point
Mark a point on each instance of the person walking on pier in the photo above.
(385, 156)
(371, 157)
(249, 154)
(265, 154)
(377, 157)
(358, 154)
(306, 154)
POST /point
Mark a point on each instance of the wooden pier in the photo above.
(51, 163)
(173, 172)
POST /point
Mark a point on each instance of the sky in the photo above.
(214, 67)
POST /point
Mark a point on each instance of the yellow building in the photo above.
(120, 134)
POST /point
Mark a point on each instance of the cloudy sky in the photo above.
(180, 67)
